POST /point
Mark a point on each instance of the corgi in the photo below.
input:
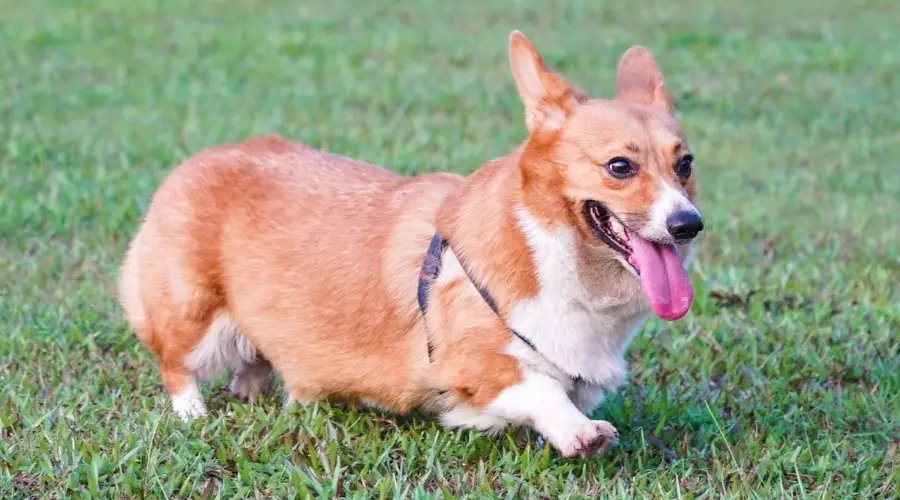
(504, 297)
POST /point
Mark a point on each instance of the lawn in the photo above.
(783, 381)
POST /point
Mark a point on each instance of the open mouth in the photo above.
(609, 229)
(663, 277)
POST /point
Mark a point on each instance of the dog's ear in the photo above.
(640, 80)
(548, 97)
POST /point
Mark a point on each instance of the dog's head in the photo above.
(622, 167)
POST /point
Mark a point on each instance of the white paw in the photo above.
(592, 436)
(188, 404)
(188, 409)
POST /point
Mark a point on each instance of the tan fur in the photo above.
(316, 258)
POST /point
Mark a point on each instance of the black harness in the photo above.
(430, 270)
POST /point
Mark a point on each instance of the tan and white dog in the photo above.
(508, 296)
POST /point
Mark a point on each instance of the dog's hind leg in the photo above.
(187, 402)
(250, 380)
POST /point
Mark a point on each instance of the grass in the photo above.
(783, 381)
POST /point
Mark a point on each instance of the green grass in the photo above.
(783, 381)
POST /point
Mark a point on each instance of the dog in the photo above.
(504, 297)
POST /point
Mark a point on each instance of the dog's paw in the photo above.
(188, 407)
(592, 436)
(246, 389)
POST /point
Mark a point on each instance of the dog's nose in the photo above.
(684, 225)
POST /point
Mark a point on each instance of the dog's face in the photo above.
(623, 168)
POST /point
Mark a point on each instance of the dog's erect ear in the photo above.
(640, 80)
(548, 97)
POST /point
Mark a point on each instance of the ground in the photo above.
(783, 381)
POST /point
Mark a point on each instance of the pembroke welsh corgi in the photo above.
(505, 297)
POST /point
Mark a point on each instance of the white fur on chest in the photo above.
(582, 332)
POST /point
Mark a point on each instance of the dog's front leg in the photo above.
(541, 402)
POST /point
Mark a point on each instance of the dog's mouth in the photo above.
(662, 274)
(610, 230)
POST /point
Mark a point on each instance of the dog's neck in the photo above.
(482, 222)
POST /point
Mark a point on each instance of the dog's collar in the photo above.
(430, 270)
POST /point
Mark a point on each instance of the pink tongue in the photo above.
(665, 282)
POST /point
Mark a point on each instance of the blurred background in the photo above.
(783, 380)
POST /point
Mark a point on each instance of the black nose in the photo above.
(684, 225)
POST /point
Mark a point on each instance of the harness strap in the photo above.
(431, 268)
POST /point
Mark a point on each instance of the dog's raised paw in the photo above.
(592, 436)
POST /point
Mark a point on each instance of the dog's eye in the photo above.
(620, 168)
(683, 167)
